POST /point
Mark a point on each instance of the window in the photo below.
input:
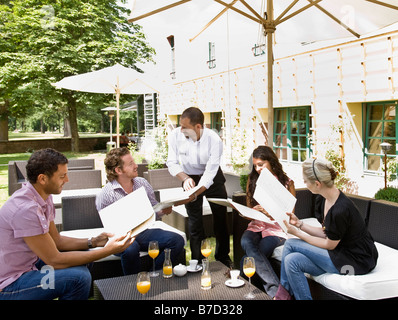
(291, 131)
(216, 121)
(211, 63)
(381, 126)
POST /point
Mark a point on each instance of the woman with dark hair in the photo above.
(261, 238)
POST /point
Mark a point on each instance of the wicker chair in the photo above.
(161, 179)
(83, 179)
(17, 175)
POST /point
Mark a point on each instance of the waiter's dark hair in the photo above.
(194, 115)
(44, 161)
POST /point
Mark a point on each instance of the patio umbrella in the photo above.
(302, 20)
(115, 80)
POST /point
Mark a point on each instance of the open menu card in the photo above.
(244, 211)
(178, 196)
(274, 197)
(133, 213)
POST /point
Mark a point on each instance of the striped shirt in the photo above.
(113, 191)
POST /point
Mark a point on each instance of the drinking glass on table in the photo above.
(205, 248)
(249, 268)
(143, 282)
(153, 251)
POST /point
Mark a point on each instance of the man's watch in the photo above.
(90, 243)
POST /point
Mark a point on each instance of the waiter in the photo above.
(194, 157)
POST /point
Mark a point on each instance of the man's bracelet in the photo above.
(90, 243)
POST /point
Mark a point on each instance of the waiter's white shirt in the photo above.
(200, 157)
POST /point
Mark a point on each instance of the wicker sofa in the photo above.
(381, 218)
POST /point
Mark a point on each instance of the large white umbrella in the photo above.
(115, 80)
(301, 20)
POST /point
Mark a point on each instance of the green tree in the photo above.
(42, 42)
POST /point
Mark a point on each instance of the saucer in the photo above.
(234, 284)
(198, 268)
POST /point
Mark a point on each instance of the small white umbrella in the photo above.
(116, 80)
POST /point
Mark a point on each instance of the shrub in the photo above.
(243, 181)
(389, 194)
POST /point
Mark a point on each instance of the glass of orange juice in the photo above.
(143, 282)
(205, 248)
(153, 251)
(249, 268)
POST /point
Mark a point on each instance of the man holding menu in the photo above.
(36, 262)
(122, 174)
(194, 157)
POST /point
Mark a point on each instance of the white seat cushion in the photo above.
(88, 233)
(380, 283)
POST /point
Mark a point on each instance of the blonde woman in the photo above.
(342, 244)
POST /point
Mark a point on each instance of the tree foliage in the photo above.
(43, 41)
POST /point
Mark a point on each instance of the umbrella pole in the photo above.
(117, 118)
(269, 30)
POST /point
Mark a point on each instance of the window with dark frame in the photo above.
(291, 133)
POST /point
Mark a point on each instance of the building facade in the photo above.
(338, 101)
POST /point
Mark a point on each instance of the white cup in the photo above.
(193, 264)
(234, 275)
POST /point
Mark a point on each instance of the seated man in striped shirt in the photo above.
(121, 172)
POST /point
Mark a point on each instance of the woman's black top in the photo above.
(356, 252)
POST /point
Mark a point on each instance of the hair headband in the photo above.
(313, 169)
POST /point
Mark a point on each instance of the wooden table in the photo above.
(175, 288)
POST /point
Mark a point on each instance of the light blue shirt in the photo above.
(200, 157)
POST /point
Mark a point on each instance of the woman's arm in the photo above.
(310, 234)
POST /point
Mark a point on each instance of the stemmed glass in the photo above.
(153, 251)
(249, 268)
(205, 248)
(143, 282)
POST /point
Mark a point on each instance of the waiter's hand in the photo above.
(188, 184)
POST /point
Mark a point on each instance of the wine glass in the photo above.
(249, 268)
(143, 282)
(153, 251)
(205, 248)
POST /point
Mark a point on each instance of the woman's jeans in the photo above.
(298, 258)
(261, 250)
(46, 284)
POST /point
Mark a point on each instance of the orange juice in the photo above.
(167, 270)
(143, 286)
(205, 282)
(206, 252)
(153, 253)
(249, 271)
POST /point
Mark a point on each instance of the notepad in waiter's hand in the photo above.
(179, 196)
(133, 213)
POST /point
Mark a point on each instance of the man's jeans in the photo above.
(167, 239)
(46, 284)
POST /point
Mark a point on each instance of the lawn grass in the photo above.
(5, 158)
